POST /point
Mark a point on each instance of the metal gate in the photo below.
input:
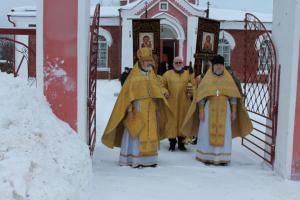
(92, 78)
(14, 54)
(261, 87)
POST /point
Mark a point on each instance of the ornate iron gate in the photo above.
(92, 78)
(261, 87)
(14, 54)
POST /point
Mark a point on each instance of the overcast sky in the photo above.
(265, 6)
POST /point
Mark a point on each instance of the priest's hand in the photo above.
(167, 95)
(201, 116)
(130, 115)
(233, 116)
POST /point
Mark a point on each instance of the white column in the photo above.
(191, 39)
(40, 47)
(181, 41)
(286, 31)
(82, 66)
(127, 44)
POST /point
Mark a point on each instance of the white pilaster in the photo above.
(127, 44)
(82, 66)
(286, 31)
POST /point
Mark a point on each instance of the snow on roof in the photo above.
(26, 11)
(106, 11)
(113, 11)
(236, 15)
(233, 15)
(130, 5)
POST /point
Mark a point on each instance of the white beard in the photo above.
(147, 68)
(178, 68)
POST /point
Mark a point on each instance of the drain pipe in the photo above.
(9, 19)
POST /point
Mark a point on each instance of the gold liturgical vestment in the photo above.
(149, 120)
(176, 85)
(217, 90)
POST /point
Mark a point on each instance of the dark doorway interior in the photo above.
(169, 47)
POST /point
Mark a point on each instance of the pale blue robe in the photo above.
(214, 154)
(130, 152)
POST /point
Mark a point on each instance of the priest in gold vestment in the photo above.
(178, 85)
(217, 114)
(138, 118)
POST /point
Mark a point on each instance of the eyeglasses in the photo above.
(178, 63)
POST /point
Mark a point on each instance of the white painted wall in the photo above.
(40, 47)
(6, 5)
(191, 39)
(127, 44)
(286, 32)
(82, 66)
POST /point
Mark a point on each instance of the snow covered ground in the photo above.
(41, 158)
(179, 176)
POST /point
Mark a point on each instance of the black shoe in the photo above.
(194, 142)
(172, 148)
(181, 146)
(207, 163)
(153, 166)
(223, 164)
(139, 167)
(172, 144)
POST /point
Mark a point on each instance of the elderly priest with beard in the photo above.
(139, 116)
(216, 115)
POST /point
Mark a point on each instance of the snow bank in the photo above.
(41, 158)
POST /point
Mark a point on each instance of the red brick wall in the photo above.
(296, 148)
(238, 53)
(114, 53)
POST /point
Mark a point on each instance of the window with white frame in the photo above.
(264, 61)
(102, 53)
(224, 50)
(163, 6)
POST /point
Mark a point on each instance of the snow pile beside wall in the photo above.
(40, 156)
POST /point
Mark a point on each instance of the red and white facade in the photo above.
(62, 55)
(179, 21)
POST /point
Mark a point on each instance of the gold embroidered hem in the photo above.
(213, 162)
(214, 154)
(140, 155)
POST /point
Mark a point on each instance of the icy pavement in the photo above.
(179, 176)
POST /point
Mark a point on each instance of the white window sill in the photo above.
(103, 69)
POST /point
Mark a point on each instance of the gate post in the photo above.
(286, 31)
(63, 39)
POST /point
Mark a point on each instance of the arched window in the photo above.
(264, 61)
(224, 50)
(102, 53)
